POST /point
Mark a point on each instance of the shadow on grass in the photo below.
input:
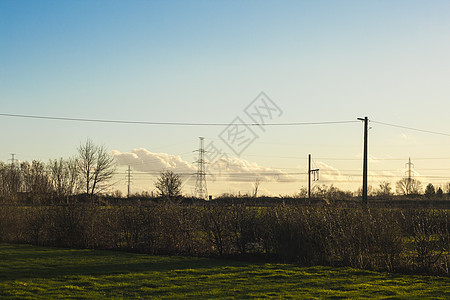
(24, 261)
(158, 276)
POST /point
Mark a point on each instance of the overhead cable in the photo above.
(411, 128)
(168, 123)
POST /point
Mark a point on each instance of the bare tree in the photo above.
(385, 189)
(370, 191)
(74, 180)
(168, 185)
(447, 188)
(406, 186)
(64, 177)
(96, 167)
(256, 187)
(302, 193)
(35, 181)
(10, 181)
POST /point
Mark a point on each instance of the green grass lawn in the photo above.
(37, 272)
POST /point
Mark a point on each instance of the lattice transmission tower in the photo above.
(409, 164)
(200, 186)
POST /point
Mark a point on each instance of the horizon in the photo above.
(148, 78)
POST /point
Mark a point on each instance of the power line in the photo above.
(385, 170)
(380, 159)
(389, 176)
(250, 173)
(167, 123)
(411, 128)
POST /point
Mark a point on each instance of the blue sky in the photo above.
(205, 61)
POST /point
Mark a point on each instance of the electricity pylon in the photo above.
(200, 185)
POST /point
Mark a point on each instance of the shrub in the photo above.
(414, 240)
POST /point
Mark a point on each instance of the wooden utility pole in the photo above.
(311, 171)
(309, 176)
(365, 166)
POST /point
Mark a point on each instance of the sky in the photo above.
(207, 62)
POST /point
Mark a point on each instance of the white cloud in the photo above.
(372, 158)
(235, 169)
(330, 174)
(405, 137)
(146, 161)
(349, 179)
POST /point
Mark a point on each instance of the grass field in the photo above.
(37, 272)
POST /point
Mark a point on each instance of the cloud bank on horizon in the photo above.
(232, 169)
(145, 161)
(226, 173)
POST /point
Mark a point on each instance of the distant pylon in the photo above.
(129, 180)
(12, 159)
(200, 185)
(408, 185)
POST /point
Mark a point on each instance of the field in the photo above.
(39, 272)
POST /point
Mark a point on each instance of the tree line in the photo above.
(403, 187)
(88, 173)
(82, 177)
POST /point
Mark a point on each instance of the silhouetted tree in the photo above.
(430, 191)
(370, 191)
(35, 181)
(385, 189)
(302, 193)
(64, 176)
(96, 167)
(406, 186)
(10, 181)
(168, 185)
(330, 192)
(256, 187)
(439, 192)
